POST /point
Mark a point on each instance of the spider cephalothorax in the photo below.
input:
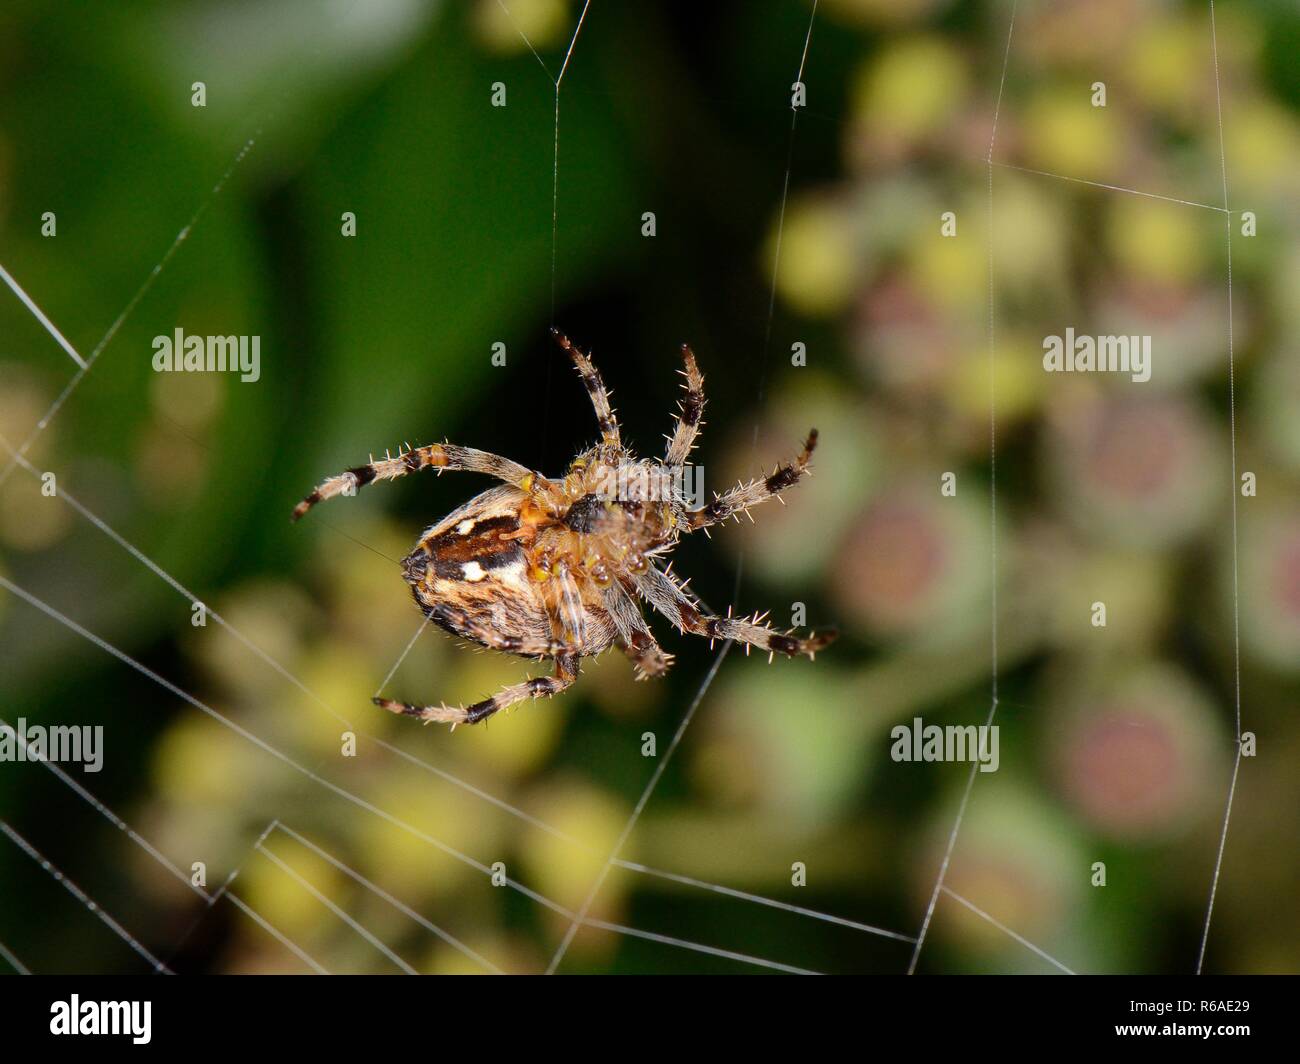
(553, 568)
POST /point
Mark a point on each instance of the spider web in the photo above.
(279, 835)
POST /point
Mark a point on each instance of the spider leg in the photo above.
(605, 419)
(664, 594)
(692, 407)
(646, 655)
(634, 636)
(743, 496)
(568, 615)
(435, 456)
(566, 671)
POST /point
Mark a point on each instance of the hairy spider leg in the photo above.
(692, 407)
(634, 636)
(666, 596)
(743, 496)
(646, 655)
(591, 380)
(568, 614)
(566, 671)
(438, 456)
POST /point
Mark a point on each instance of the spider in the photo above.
(552, 569)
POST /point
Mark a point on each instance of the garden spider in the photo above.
(552, 569)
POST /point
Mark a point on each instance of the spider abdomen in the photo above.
(485, 574)
(466, 578)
